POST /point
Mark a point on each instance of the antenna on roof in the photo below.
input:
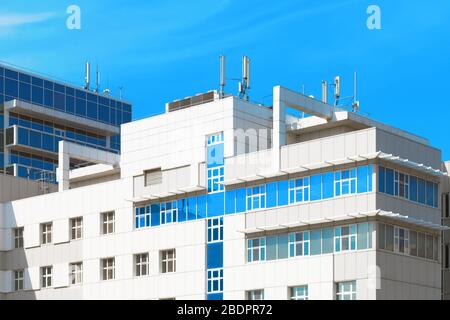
(222, 76)
(87, 77)
(120, 92)
(324, 91)
(97, 80)
(244, 85)
(355, 105)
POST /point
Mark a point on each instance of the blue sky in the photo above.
(163, 50)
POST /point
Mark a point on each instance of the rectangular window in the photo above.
(256, 249)
(401, 240)
(168, 261)
(345, 182)
(18, 280)
(108, 266)
(215, 280)
(76, 273)
(363, 236)
(215, 230)
(299, 190)
(256, 197)
(108, 222)
(413, 188)
(141, 264)
(152, 177)
(327, 240)
(316, 242)
(215, 178)
(18, 238)
(299, 244)
(255, 294)
(142, 217)
(345, 238)
(299, 293)
(403, 185)
(421, 245)
(46, 233)
(315, 187)
(429, 246)
(413, 243)
(389, 238)
(421, 191)
(382, 236)
(76, 225)
(346, 290)
(169, 212)
(381, 179)
(46, 276)
(277, 247)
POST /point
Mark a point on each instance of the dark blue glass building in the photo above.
(36, 113)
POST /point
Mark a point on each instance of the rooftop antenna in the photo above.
(355, 105)
(97, 80)
(324, 91)
(337, 90)
(244, 85)
(120, 92)
(88, 75)
(106, 90)
(222, 76)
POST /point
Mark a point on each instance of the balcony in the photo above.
(37, 142)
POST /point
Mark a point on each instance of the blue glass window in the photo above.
(271, 199)
(182, 210)
(283, 194)
(316, 187)
(299, 190)
(155, 218)
(421, 191)
(381, 179)
(299, 244)
(142, 217)
(430, 193)
(24, 91)
(345, 182)
(256, 197)
(230, 201)
(256, 249)
(390, 181)
(215, 280)
(215, 230)
(201, 207)
(215, 177)
(413, 188)
(241, 200)
(316, 242)
(169, 212)
(327, 240)
(192, 208)
(345, 238)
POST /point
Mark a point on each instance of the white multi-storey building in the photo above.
(219, 198)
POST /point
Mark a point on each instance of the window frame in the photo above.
(76, 273)
(304, 243)
(253, 198)
(214, 177)
(164, 212)
(46, 277)
(295, 186)
(106, 222)
(351, 182)
(214, 276)
(76, 228)
(294, 294)
(167, 260)
(46, 233)
(351, 237)
(141, 265)
(108, 267)
(342, 294)
(255, 295)
(18, 280)
(260, 248)
(18, 238)
(212, 226)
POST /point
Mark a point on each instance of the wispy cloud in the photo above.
(18, 19)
